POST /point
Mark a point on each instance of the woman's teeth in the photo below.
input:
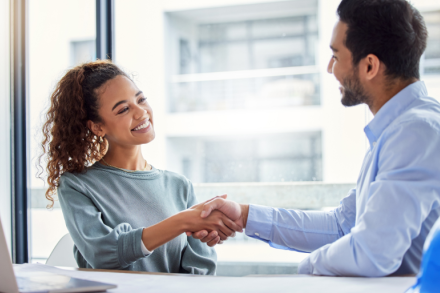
(145, 125)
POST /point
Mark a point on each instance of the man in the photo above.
(380, 226)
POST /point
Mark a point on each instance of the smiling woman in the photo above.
(117, 207)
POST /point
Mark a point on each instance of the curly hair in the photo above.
(68, 144)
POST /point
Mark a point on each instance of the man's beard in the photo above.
(353, 93)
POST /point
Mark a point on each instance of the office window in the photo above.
(273, 158)
(82, 51)
(254, 61)
(243, 105)
(242, 101)
(431, 63)
(57, 42)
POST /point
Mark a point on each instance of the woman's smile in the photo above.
(143, 127)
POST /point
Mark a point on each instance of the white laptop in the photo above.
(40, 281)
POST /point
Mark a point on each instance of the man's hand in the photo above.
(234, 211)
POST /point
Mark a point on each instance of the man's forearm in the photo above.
(296, 230)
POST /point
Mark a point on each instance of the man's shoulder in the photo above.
(423, 114)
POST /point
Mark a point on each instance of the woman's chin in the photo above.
(148, 138)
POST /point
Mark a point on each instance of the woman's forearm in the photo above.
(164, 231)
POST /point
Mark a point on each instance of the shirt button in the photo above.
(257, 234)
(374, 144)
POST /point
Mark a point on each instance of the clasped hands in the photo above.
(217, 220)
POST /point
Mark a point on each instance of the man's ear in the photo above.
(371, 66)
(95, 128)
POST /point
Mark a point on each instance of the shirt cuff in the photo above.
(145, 251)
(259, 222)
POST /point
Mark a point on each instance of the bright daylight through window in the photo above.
(242, 102)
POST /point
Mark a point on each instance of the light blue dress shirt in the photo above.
(381, 225)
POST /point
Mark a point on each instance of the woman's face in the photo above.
(127, 116)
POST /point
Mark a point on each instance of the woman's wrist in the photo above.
(184, 220)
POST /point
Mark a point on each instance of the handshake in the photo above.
(216, 219)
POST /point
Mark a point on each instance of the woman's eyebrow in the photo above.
(125, 101)
(118, 103)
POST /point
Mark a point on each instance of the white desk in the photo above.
(163, 283)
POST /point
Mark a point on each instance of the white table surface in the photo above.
(135, 282)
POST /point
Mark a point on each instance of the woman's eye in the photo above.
(123, 110)
(333, 57)
(141, 100)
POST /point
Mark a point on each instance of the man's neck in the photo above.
(386, 92)
(129, 158)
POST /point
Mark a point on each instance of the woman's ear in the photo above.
(95, 128)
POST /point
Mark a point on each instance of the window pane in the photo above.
(430, 65)
(57, 42)
(245, 93)
(432, 54)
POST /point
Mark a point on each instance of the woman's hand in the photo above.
(231, 209)
(231, 212)
(215, 222)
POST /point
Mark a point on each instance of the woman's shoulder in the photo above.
(176, 177)
(78, 178)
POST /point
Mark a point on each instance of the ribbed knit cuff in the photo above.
(129, 249)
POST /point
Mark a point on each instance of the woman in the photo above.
(117, 207)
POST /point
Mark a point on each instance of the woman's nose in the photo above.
(140, 112)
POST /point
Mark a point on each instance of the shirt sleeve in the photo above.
(302, 231)
(404, 192)
(101, 246)
(197, 257)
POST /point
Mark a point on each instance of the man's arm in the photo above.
(296, 230)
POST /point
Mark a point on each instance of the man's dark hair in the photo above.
(393, 30)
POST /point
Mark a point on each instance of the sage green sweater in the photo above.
(105, 210)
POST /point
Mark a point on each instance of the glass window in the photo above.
(277, 158)
(57, 41)
(83, 51)
(432, 55)
(243, 105)
(276, 49)
(430, 65)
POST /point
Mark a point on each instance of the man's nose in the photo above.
(330, 66)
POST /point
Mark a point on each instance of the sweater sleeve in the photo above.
(197, 257)
(101, 246)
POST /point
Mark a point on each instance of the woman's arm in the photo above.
(187, 220)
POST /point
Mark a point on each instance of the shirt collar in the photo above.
(393, 109)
